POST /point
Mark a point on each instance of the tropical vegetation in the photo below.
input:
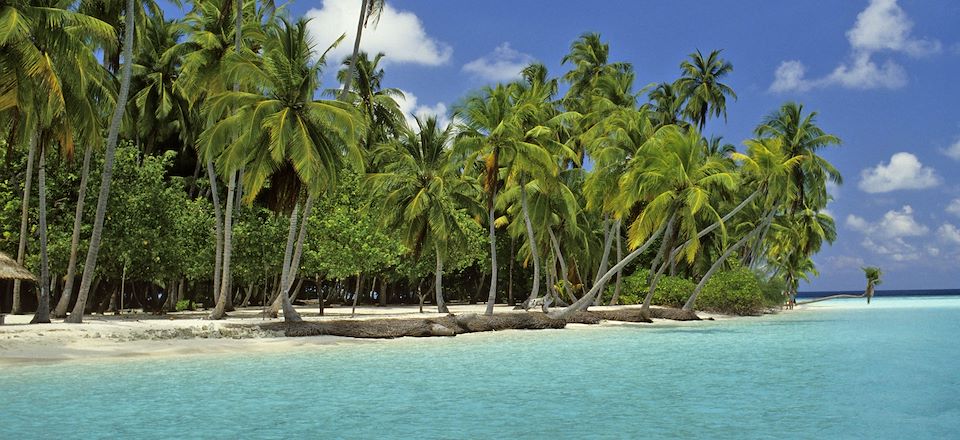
(230, 176)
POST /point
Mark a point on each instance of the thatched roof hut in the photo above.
(10, 270)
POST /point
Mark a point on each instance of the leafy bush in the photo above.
(772, 290)
(671, 291)
(184, 304)
(734, 291)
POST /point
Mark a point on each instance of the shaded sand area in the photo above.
(248, 330)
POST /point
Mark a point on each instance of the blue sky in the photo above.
(882, 74)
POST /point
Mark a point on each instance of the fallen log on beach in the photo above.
(451, 325)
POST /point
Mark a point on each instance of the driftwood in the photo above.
(451, 325)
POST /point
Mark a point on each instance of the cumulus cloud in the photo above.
(882, 26)
(904, 171)
(844, 262)
(954, 207)
(410, 107)
(953, 151)
(503, 64)
(888, 235)
(949, 233)
(399, 34)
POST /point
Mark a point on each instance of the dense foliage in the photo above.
(235, 181)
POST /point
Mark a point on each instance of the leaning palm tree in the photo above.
(289, 143)
(422, 191)
(369, 10)
(873, 275)
(701, 89)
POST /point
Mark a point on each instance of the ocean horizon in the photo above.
(887, 293)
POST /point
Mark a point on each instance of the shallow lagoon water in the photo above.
(839, 369)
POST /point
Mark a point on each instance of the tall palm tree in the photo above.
(768, 167)
(701, 89)
(801, 136)
(680, 183)
(666, 105)
(493, 134)
(378, 104)
(873, 275)
(106, 176)
(369, 10)
(422, 191)
(286, 137)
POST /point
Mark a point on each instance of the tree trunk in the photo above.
(607, 242)
(93, 250)
(492, 296)
(17, 308)
(220, 311)
(356, 51)
(285, 265)
(723, 257)
(513, 257)
(584, 302)
(246, 297)
(293, 264)
(218, 227)
(655, 277)
(356, 296)
(64, 303)
(869, 291)
(534, 252)
(438, 284)
(616, 289)
(565, 279)
(296, 290)
(825, 298)
(384, 285)
(42, 316)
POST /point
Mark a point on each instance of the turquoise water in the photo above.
(841, 370)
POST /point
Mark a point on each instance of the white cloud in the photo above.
(882, 26)
(503, 64)
(790, 76)
(863, 73)
(842, 262)
(953, 151)
(903, 172)
(949, 233)
(888, 236)
(954, 207)
(410, 107)
(885, 26)
(398, 34)
(893, 224)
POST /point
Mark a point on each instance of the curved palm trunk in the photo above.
(438, 285)
(356, 51)
(869, 291)
(492, 295)
(17, 308)
(218, 227)
(534, 252)
(93, 250)
(285, 266)
(43, 305)
(655, 277)
(607, 242)
(723, 257)
(616, 289)
(64, 303)
(220, 311)
(825, 298)
(584, 302)
(567, 285)
(292, 256)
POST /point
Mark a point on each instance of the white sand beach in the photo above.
(190, 333)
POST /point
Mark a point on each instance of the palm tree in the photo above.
(378, 104)
(286, 137)
(666, 105)
(701, 89)
(369, 10)
(873, 275)
(422, 190)
(767, 167)
(802, 137)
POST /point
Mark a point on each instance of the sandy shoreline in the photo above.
(188, 333)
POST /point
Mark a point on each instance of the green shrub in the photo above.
(184, 304)
(772, 290)
(671, 291)
(734, 292)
